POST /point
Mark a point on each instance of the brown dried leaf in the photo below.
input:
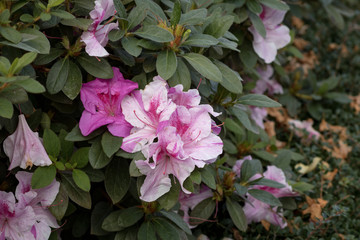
(280, 114)
(300, 43)
(342, 151)
(297, 22)
(270, 128)
(355, 103)
(331, 175)
(315, 207)
(265, 224)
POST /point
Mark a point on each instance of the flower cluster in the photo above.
(24, 147)
(173, 131)
(96, 37)
(28, 218)
(277, 36)
(256, 210)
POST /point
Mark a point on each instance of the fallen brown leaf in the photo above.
(315, 207)
(300, 43)
(270, 128)
(355, 103)
(265, 224)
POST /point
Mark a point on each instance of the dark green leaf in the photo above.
(155, 33)
(169, 199)
(193, 17)
(166, 64)
(165, 230)
(254, 6)
(62, 14)
(267, 182)
(258, 24)
(43, 176)
(31, 85)
(10, 34)
(76, 136)
(81, 179)
(208, 177)
(258, 100)
(100, 212)
(201, 40)
(43, 59)
(117, 179)
(179, 221)
(81, 23)
(219, 26)
(6, 107)
(240, 189)
(275, 4)
(237, 214)
(110, 144)
(60, 204)
(147, 231)
(57, 76)
(110, 223)
(136, 16)
(265, 197)
(99, 69)
(77, 195)
(73, 82)
(204, 66)
(202, 211)
(176, 13)
(181, 75)
(97, 157)
(51, 143)
(120, 8)
(243, 117)
(231, 80)
(250, 168)
(129, 216)
(130, 44)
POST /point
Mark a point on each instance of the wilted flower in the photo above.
(24, 147)
(301, 127)
(265, 83)
(277, 36)
(102, 102)
(96, 37)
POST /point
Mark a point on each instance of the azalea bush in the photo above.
(182, 119)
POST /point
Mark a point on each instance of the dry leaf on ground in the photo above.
(315, 207)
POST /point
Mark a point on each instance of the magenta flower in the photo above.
(102, 102)
(145, 110)
(258, 114)
(24, 147)
(262, 211)
(277, 36)
(96, 37)
(189, 202)
(265, 83)
(302, 127)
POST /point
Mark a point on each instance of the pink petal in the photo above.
(206, 149)
(280, 36)
(272, 17)
(89, 122)
(93, 47)
(138, 139)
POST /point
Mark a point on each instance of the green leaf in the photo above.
(147, 231)
(116, 35)
(6, 107)
(302, 187)
(60, 204)
(32, 41)
(338, 97)
(129, 216)
(155, 33)
(81, 23)
(4, 65)
(181, 76)
(31, 85)
(335, 16)
(204, 66)
(232, 126)
(51, 143)
(76, 136)
(25, 60)
(110, 144)
(244, 119)
(258, 100)
(267, 182)
(179, 221)
(62, 14)
(237, 214)
(57, 76)
(54, 3)
(231, 80)
(202, 211)
(43, 59)
(240, 189)
(195, 176)
(99, 69)
(176, 14)
(258, 24)
(81, 179)
(98, 215)
(130, 45)
(120, 8)
(193, 17)
(254, 6)
(219, 26)
(265, 197)
(77, 195)
(166, 64)
(136, 16)
(10, 34)
(208, 177)
(97, 157)
(117, 179)
(169, 199)
(110, 223)
(201, 40)
(165, 230)
(43, 176)
(250, 168)
(275, 4)
(15, 94)
(73, 82)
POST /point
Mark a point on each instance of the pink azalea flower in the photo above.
(102, 102)
(300, 127)
(16, 221)
(258, 114)
(186, 142)
(265, 83)
(277, 36)
(189, 201)
(39, 200)
(262, 211)
(24, 147)
(96, 37)
(238, 164)
(145, 110)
